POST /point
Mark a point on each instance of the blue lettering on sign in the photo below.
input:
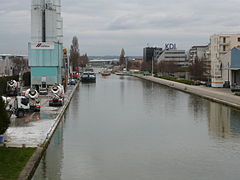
(170, 46)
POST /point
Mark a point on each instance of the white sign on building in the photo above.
(42, 45)
(170, 46)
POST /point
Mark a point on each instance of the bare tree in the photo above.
(196, 69)
(19, 65)
(167, 67)
(146, 66)
(74, 54)
(83, 60)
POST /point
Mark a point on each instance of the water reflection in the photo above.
(51, 163)
(137, 130)
(198, 106)
(223, 120)
(235, 121)
(219, 120)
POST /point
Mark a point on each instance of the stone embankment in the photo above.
(220, 95)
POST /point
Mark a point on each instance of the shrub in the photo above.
(3, 83)
(237, 94)
(5, 119)
(184, 81)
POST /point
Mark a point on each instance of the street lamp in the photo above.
(152, 64)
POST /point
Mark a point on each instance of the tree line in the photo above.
(76, 60)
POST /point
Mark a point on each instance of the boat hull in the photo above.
(88, 80)
(106, 74)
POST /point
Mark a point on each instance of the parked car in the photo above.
(146, 73)
(43, 91)
(235, 88)
(72, 82)
(226, 84)
(197, 83)
(75, 75)
(208, 83)
(56, 101)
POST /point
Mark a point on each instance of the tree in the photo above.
(196, 69)
(122, 57)
(146, 66)
(19, 65)
(74, 54)
(5, 119)
(83, 60)
(168, 67)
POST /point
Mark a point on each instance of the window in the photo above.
(224, 48)
(238, 39)
(224, 39)
(24, 101)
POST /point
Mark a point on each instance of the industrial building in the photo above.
(46, 46)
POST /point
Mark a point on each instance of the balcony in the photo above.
(224, 43)
(223, 51)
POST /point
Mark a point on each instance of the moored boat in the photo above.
(88, 76)
(106, 73)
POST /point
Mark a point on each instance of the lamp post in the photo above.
(152, 64)
(228, 72)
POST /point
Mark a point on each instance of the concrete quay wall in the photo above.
(213, 94)
(30, 168)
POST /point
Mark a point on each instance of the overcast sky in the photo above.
(103, 27)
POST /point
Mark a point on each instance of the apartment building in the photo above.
(220, 45)
(201, 53)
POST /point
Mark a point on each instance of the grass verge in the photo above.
(177, 80)
(13, 160)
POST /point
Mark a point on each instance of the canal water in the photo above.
(124, 128)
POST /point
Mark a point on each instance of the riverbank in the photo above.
(12, 160)
(220, 95)
(32, 164)
(35, 131)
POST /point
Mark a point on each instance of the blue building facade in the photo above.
(235, 65)
(46, 64)
(235, 58)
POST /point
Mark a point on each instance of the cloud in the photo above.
(105, 26)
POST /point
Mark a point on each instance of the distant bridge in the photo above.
(103, 61)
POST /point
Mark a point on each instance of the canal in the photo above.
(124, 128)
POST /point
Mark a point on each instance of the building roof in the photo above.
(9, 55)
(199, 46)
